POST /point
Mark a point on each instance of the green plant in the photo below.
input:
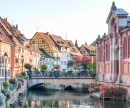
(22, 80)
(75, 72)
(92, 73)
(43, 67)
(56, 67)
(5, 84)
(8, 96)
(75, 68)
(24, 75)
(27, 66)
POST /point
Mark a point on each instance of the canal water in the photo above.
(72, 98)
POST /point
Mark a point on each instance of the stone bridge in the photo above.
(59, 81)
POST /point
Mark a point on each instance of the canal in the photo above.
(71, 98)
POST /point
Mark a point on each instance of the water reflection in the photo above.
(45, 98)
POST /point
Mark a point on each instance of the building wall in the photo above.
(65, 57)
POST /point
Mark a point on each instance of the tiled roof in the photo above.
(73, 49)
(5, 28)
(89, 47)
(5, 41)
(49, 41)
(59, 41)
(120, 11)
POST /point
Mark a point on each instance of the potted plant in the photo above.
(22, 80)
(57, 67)
(28, 66)
(43, 68)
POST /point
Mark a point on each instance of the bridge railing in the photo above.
(61, 74)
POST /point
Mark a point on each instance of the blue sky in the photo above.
(80, 19)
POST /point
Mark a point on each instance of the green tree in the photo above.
(89, 66)
(43, 67)
(56, 67)
(27, 66)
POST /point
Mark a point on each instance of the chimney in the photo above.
(6, 21)
(47, 33)
(17, 26)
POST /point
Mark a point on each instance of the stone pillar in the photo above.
(110, 58)
(97, 58)
(103, 61)
(114, 66)
(120, 59)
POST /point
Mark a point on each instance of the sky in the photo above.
(83, 20)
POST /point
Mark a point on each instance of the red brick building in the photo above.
(113, 51)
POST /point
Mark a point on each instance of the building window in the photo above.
(125, 48)
(56, 48)
(64, 62)
(100, 53)
(107, 52)
(42, 41)
(61, 62)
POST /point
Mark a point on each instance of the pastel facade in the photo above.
(54, 47)
(5, 46)
(113, 51)
(18, 47)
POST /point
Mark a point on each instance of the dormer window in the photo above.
(58, 42)
(42, 41)
(62, 48)
(56, 48)
(62, 42)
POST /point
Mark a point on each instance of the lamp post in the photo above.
(22, 62)
(5, 57)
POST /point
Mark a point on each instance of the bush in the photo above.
(43, 67)
(27, 66)
(56, 67)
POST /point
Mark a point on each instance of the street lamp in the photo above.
(5, 57)
(22, 62)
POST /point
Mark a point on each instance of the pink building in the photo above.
(113, 51)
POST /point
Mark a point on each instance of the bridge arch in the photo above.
(59, 81)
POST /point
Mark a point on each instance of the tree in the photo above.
(43, 67)
(27, 66)
(89, 66)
